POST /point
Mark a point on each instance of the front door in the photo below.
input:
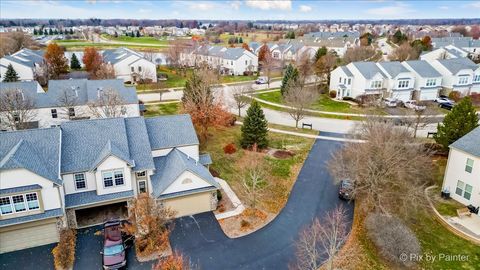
(142, 186)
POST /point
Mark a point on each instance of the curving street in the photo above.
(272, 247)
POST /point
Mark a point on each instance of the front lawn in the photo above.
(281, 173)
(162, 109)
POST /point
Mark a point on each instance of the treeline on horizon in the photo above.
(194, 23)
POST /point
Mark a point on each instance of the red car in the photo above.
(113, 246)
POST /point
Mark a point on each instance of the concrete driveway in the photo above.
(272, 247)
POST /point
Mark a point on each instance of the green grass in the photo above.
(162, 109)
(144, 40)
(80, 45)
(230, 79)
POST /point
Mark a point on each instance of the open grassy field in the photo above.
(144, 40)
(71, 45)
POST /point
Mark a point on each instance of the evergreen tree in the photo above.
(45, 32)
(460, 121)
(320, 52)
(55, 32)
(10, 75)
(291, 74)
(35, 32)
(138, 33)
(71, 31)
(115, 35)
(255, 128)
(74, 63)
(50, 31)
(240, 40)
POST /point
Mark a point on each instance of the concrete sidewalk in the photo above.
(239, 207)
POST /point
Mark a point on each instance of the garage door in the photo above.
(21, 237)
(402, 95)
(428, 94)
(190, 205)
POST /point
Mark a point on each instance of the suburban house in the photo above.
(130, 66)
(428, 81)
(468, 44)
(399, 82)
(357, 78)
(78, 175)
(69, 100)
(229, 61)
(446, 52)
(337, 45)
(25, 62)
(463, 169)
(458, 74)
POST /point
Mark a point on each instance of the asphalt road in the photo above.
(272, 247)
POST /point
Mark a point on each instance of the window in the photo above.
(19, 203)
(459, 189)
(344, 80)
(32, 201)
(132, 69)
(431, 82)
(139, 69)
(476, 78)
(80, 182)
(469, 166)
(16, 117)
(142, 186)
(403, 84)
(340, 80)
(276, 55)
(187, 181)
(108, 179)
(376, 84)
(54, 113)
(246, 62)
(119, 178)
(349, 81)
(71, 112)
(468, 192)
(463, 80)
(5, 206)
(141, 174)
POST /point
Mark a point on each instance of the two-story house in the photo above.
(25, 62)
(462, 175)
(130, 65)
(399, 81)
(85, 172)
(458, 74)
(428, 81)
(69, 100)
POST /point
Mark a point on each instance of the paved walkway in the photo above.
(239, 207)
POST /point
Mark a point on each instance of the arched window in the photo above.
(187, 181)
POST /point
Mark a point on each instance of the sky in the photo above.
(238, 10)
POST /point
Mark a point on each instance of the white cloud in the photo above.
(444, 7)
(267, 5)
(398, 10)
(201, 6)
(473, 5)
(305, 8)
(236, 5)
(143, 10)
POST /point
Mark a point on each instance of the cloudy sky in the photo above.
(244, 10)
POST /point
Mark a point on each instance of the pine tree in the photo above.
(74, 63)
(255, 128)
(320, 52)
(50, 31)
(138, 33)
(10, 75)
(35, 32)
(291, 74)
(71, 31)
(460, 121)
(240, 40)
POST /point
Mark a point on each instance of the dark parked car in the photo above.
(345, 190)
(446, 105)
(113, 246)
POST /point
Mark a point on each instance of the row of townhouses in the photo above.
(81, 172)
(127, 64)
(416, 79)
(229, 61)
(66, 100)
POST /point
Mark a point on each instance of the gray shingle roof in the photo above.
(368, 69)
(80, 91)
(454, 65)
(91, 197)
(460, 42)
(186, 192)
(45, 215)
(205, 159)
(423, 68)
(346, 71)
(393, 68)
(138, 143)
(171, 131)
(36, 150)
(171, 166)
(116, 55)
(20, 189)
(355, 34)
(469, 143)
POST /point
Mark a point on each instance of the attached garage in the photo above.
(28, 235)
(429, 94)
(190, 204)
(402, 95)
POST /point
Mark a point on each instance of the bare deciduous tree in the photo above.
(320, 242)
(239, 96)
(268, 64)
(16, 110)
(68, 103)
(304, 65)
(404, 52)
(104, 71)
(109, 104)
(299, 98)
(174, 53)
(389, 170)
(361, 53)
(254, 178)
(421, 119)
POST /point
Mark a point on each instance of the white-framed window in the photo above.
(139, 69)
(142, 186)
(340, 80)
(468, 192)
(132, 69)
(476, 78)
(376, 84)
(80, 181)
(431, 82)
(19, 203)
(344, 80)
(54, 113)
(141, 174)
(113, 178)
(349, 81)
(16, 117)
(71, 112)
(469, 165)
(403, 83)
(460, 187)
(463, 80)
